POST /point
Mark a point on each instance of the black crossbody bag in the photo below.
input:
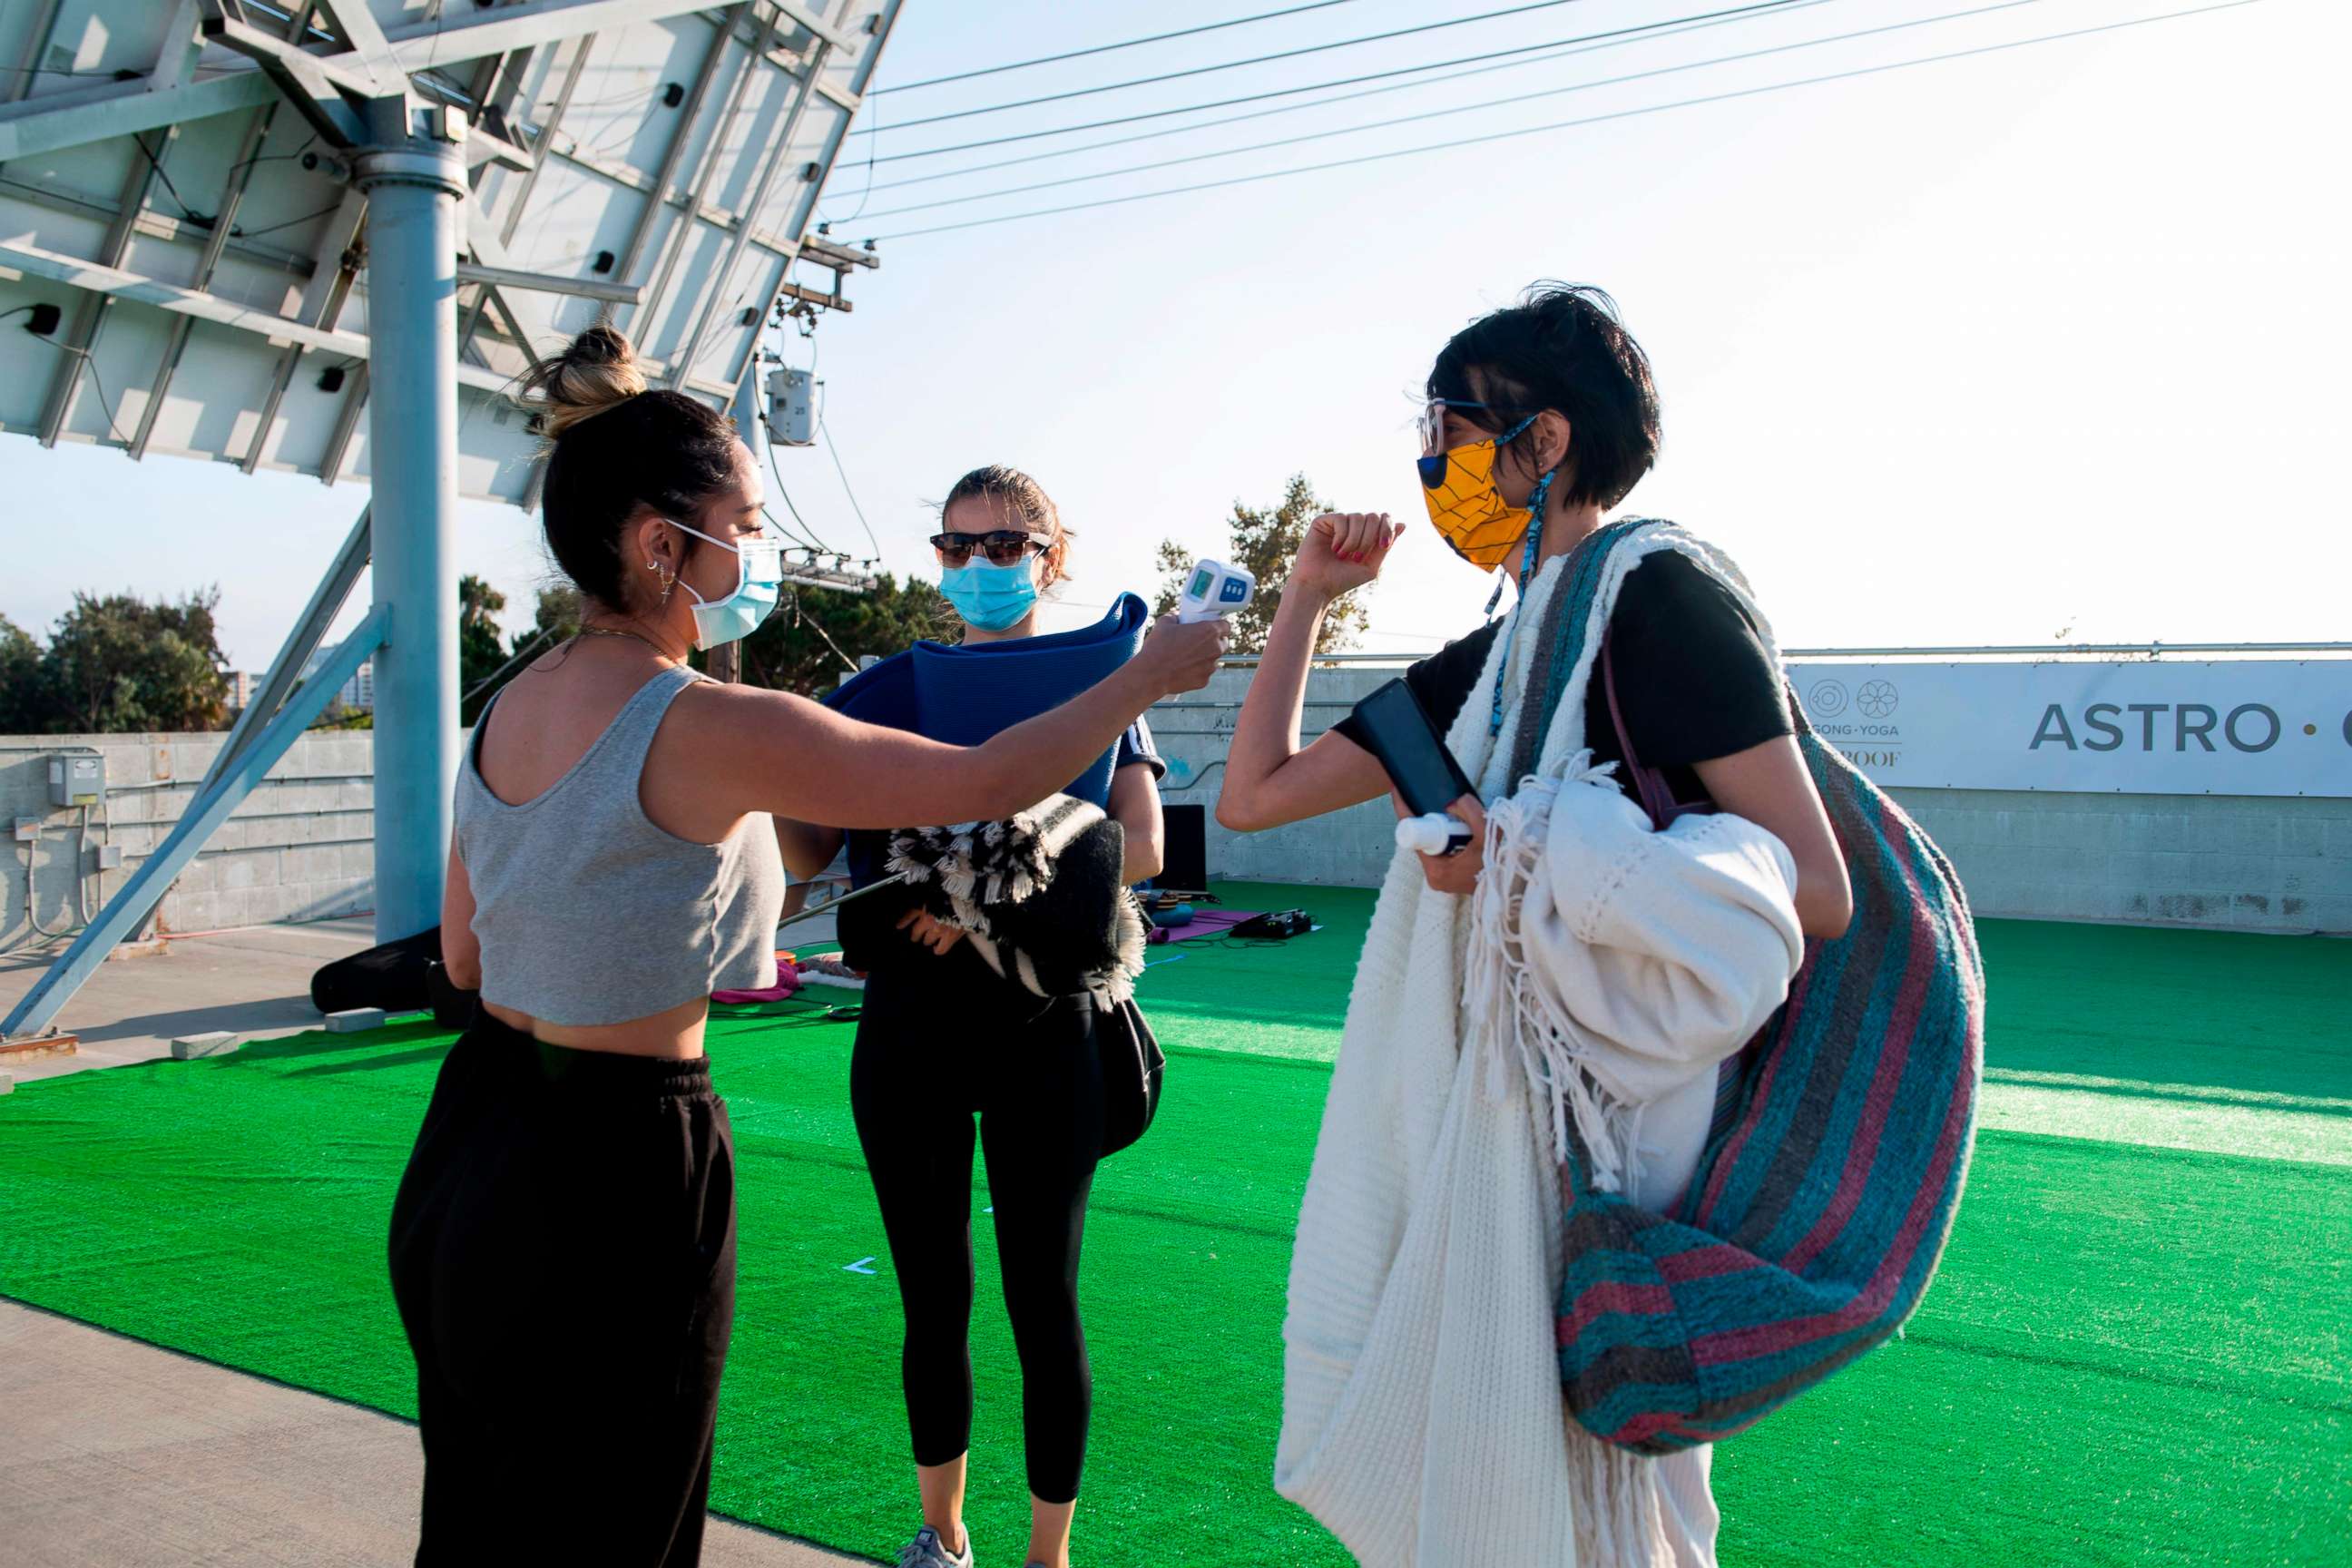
(1132, 1068)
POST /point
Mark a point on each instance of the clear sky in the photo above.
(2047, 340)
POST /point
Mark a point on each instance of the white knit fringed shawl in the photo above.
(1423, 1419)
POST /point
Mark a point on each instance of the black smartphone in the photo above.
(1395, 729)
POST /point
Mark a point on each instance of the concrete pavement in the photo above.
(115, 1453)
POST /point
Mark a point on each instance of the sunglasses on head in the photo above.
(1002, 546)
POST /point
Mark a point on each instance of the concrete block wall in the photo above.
(1349, 849)
(301, 848)
(2280, 864)
(2254, 863)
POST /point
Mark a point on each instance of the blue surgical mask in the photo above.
(990, 596)
(759, 583)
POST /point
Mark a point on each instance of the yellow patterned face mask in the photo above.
(1458, 485)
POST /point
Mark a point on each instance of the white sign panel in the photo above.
(2246, 728)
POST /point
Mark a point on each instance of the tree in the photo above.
(820, 634)
(815, 636)
(557, 619)
(24, 696)
(481, 656)
(480, 650)
(1264, 544)
(118, 665)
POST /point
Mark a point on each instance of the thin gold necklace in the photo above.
(633, 637)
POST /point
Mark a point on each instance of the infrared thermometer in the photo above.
(1212, 591)
(1435, 833)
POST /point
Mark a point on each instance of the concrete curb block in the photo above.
(217, 1043)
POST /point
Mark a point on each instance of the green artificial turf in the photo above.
(2136, 1353)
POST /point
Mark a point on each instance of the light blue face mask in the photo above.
(759, 583)
(990, 596)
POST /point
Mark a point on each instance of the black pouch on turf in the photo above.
(392, 977)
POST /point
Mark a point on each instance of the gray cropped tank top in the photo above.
(587, 912)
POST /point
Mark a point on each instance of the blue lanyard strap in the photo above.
(1536, 500)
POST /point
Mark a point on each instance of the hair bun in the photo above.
(597, 371)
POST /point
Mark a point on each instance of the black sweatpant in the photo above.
(940, 1041)
(564, 1259)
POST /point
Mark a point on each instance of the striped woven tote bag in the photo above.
(1824, 1196)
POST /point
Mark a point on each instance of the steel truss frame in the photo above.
(379, 98)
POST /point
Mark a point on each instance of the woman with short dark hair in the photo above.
(1540, 418)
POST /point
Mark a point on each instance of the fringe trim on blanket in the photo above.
(1109, 986)
(1618, 1507)
(977, 864)
(1512, 1021)
(1618, 1502)
(980, 863)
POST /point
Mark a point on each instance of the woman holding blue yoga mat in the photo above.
(997, 982)
(563, 1244)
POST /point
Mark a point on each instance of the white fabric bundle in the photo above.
(1423, 1421)
(1606, 955)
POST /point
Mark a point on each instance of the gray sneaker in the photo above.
(926, 1551)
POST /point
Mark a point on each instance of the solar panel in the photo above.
(222, 222)
(646, 162)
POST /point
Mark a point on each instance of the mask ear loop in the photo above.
(743, 568)
(1537, 500)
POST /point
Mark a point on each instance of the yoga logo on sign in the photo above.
(1857, 717)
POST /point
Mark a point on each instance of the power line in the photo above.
(1232, 65)
(800, 541)
(174, 191)
(290, 223)
(105, 403)
(523, 651)
(826, 431)
(1571, 125)
(807, 535)
(801, 618)
(1108, 49)
(867, 194)
(123, 74)
(1514, 51)
(236, 169)
(1470, 108)
(1588, 43)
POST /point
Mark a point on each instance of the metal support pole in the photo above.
(278, 684)
(415, 177)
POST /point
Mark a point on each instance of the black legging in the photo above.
(564, 1259)
(940, 1041)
